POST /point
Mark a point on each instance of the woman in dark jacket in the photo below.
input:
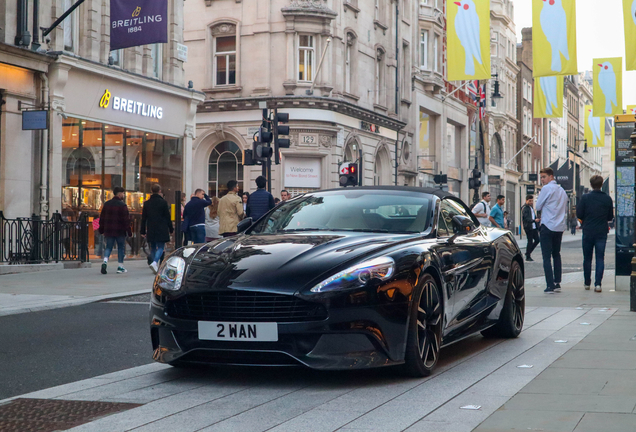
(156, 225)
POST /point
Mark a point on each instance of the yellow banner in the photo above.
(554, 37)
(608, 87)
(613, 154)
(631, 109)
(424, 133)
(594, 128)
(629, 17)
(548, 97)
(468, 40)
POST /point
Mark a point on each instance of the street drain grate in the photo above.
(48, 415)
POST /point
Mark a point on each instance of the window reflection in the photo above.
(97, 157)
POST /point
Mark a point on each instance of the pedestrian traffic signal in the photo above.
(248, 158)
(279, 130)
(348, 174)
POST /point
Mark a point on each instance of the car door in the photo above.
(469, 261)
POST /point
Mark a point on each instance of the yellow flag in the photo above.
(594, 128)
(608, 87)
(631, 109)
(554, 37)
(629, 17)
(548, 97)
(468, 40)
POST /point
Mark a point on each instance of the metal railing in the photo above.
(34, 240)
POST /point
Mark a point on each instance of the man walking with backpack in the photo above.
(530, 220)
(596, 210)
(156, 225)
(114, 225)
(481, 210)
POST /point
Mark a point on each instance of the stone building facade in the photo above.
(88, 144)
(332, 65)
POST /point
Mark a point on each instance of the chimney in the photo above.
(526, 43)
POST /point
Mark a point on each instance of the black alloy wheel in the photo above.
(425, 329)
(512, 315)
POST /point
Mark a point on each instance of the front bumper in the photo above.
(356, 336)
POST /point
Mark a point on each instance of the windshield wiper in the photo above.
(365, 230)
(302, 229)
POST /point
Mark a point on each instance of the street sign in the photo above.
(530, 189)
(35, 120)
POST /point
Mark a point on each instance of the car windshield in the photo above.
(360, 210)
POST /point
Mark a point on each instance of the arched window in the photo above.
(80, 161)
(351, 151)
(379, 77)
(350, 63)
(382, 168)
(225, 164)
(496, 150)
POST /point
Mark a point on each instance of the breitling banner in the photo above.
(594, 131)
(629, 17)
(554, 33)
(138, 22)
(468, 40)
(608, 87)
(548, 97)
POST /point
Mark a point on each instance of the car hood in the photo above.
(280, 263)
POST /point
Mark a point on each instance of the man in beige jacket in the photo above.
(230, 210)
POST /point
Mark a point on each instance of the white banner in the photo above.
(302, 172)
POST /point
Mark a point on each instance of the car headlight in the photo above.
(170, 274)
(357, 276)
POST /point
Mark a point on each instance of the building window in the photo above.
(69, 26)
(379, 77)
(116, 55)
(350, 49)
(494, 44)
(435, 53)
(406, 71)
(496, 150)
(525, 121)
(376, 14)
(424, 49)
(225, 164)
(156, 60)
(306, 56)
(225, 60)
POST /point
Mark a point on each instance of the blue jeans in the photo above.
(551, 250)
(197, 234)
(592, 242)
(156, 250)
(121, 247)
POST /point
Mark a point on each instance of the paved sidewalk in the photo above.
(585, 383)
(27, 292)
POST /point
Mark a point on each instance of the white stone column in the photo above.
(58, 77)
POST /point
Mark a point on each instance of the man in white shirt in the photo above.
(482, 209)
(553, 205)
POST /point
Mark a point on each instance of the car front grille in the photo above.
(245, 306)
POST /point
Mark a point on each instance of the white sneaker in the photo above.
(154, 267)
(597, 288)
(587, 287)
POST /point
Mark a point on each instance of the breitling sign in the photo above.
(130, 106)
(138, 22)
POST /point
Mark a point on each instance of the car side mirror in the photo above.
(462, 225)
(244, 225)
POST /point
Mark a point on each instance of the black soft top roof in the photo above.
(431, 191)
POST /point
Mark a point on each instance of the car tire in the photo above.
(511, 319)
(424, 336)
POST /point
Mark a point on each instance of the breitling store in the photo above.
(109, 132)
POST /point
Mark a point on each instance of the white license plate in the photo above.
(236, 331)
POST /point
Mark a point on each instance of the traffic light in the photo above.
(475, 181)
(248, 158)
(348, 174)
(279, 130)
(260, 150)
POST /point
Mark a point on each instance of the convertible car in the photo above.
(340, 279)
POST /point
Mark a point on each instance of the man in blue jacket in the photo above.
(194, 216)
(595, 210)
(261, 201)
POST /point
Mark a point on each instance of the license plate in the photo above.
(235, 331)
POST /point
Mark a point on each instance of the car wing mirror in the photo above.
(243, 225)
(462, 225)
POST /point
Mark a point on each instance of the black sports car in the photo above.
(340, 279)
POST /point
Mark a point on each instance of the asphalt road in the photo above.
(39, 350)
(571, 257)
